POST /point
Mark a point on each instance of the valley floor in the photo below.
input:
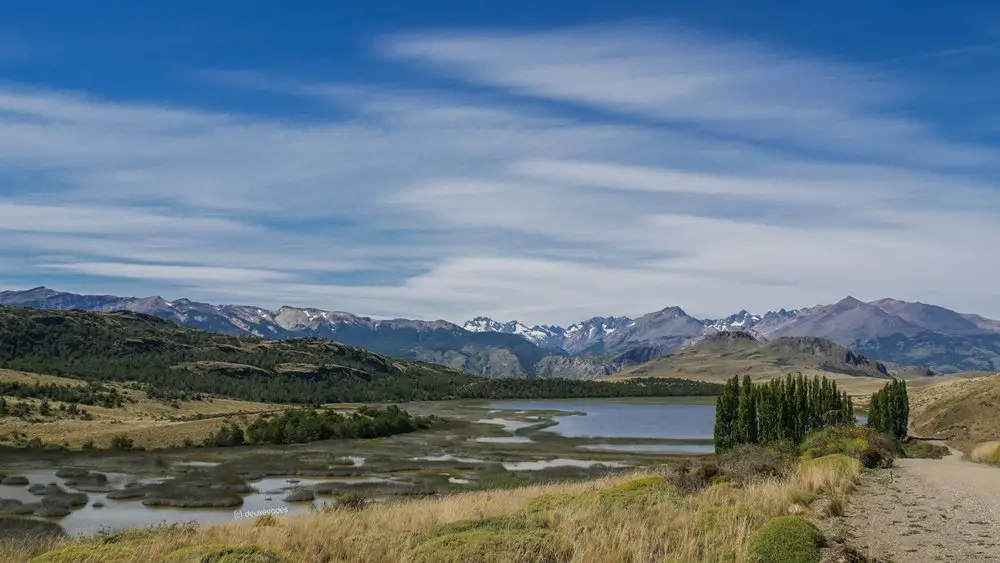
(926, 510)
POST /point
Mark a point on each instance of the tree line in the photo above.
(90, 394)
(302, 425)
(24, 409)
(889, 409)
(780, 409)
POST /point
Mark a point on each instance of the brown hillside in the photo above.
(726, 354)
(963, 411)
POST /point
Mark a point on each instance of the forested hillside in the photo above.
(125, 346)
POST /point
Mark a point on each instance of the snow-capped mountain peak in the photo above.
(484, 324)
(541, 335)
(743, 320)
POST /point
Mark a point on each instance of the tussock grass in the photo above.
(988, 452)
(635, 518)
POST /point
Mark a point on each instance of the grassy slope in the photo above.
(146, 421)
(961, 410)
(719, 359)
(625, 518)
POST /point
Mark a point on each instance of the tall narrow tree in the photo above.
(725, 415)
(746, 418)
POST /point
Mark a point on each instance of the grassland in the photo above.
(719, 359)
(151, 423)
(717, 369)
(961, 410)
(646, 516)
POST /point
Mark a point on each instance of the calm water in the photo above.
(625, 419)
(122, 514)
(618, 419)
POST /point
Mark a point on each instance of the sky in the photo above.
(544, 161)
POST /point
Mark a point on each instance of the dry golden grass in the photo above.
(146, 421)
(37, 378)
(960, 409)
(719, 371)
(988, 452)
(621, 519)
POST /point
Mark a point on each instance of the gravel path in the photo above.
(927, 510)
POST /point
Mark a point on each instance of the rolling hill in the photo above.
(962, 411)
(488, 354)
(729, 353)
(127, 346)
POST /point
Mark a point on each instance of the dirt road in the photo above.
(927, 510)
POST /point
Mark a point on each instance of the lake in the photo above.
(500, 442)
(663, 419)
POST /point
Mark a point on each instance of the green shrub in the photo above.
(121, 442)
(551, 501)
(785, 539)
(483, 546)
(865, 444)
(648, 491)
(924, 450)
(352, 501)
(503, 524)
(223, 554)
(88, 553)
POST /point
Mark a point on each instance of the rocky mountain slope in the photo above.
(724, 354)
(485, 353)
(172, 362)
(897, 332)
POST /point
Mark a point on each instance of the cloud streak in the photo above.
(602, 170)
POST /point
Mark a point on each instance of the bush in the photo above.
(752, 462)
(501, 524)
(223, 554)
(485, 546)
(87, 552)
(785, 539)
(865, 444)
(353, 501)
(121, 442)
(691, 478)
(645, 492)
(923, 449)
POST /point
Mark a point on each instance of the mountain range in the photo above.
(896, 332)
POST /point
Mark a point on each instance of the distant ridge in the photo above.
(895, 332)
(725, 354)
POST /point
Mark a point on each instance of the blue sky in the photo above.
(546, 161)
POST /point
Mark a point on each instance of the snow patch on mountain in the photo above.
(540, 335)
(743, 320)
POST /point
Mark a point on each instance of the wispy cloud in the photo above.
(739, 88)
(604, 170)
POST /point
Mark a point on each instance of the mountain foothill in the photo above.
(852, 337)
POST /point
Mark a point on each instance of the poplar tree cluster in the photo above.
(780, 409)
(889, 410)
